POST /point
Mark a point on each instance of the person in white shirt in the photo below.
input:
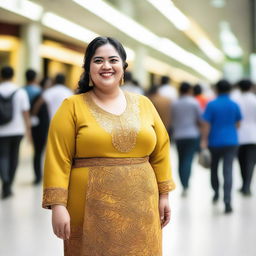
(247, 135)
(167, 90)
(12, 132)
(130, 84)
(54, 96)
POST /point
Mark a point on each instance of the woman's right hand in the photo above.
(61, 221)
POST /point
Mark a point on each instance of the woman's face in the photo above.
(106, 68)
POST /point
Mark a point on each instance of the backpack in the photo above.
(6, 109)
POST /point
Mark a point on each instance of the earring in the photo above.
(90, 82)
(122, 81)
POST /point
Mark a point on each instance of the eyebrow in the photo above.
(110, 57)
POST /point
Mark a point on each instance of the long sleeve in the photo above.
(160, 157)
(60, 151)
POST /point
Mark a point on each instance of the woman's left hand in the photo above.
(164, 210)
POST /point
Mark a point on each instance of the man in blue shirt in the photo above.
(219, 133)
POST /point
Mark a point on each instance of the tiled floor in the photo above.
(197, 228)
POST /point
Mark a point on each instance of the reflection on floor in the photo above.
(197, 228)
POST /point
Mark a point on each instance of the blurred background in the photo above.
(198, 41)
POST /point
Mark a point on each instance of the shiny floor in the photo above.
(197, 228)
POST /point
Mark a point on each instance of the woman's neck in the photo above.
(106, 96)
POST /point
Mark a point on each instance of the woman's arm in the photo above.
(61, 221)
(164, 209)
(60, 152)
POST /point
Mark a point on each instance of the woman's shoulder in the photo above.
(73, 102)
(75, 99)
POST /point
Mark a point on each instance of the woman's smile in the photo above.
(106, 74)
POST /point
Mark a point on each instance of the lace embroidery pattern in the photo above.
(53, 196)
(165, 186)
(99, 161)
(121, 213)
(124, 128)
(72, 246)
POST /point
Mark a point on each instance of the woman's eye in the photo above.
(113, 60)
(97, 61)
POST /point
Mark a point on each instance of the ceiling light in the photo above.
(218, 3)
(59, 53)
(181, 22)
(146, 37)
(172, 13)
(8, 43)
(24, 8)
(71, 29)
(117, 19)
(210, 50)
(65, 26)
(189, 59)
(161, 68)
(229, 41)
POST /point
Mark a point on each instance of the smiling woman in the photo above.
(106, 69)
(107, 169)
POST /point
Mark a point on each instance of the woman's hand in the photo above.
(164, 210)
(61, 221)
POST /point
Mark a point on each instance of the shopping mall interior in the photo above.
(200, 41)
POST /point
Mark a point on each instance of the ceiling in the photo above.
(236, 12)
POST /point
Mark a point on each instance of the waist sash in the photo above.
(107, 161)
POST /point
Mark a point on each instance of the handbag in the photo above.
(204, 158)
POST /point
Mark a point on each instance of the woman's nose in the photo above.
(106, 64)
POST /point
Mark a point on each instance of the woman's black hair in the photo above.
(83, 84)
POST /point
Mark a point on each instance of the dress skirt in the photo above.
(113, 204)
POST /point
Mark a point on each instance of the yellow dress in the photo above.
(112, 199)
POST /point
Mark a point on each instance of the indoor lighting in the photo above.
(197, 35)
(229, 41)
(218, 3)
(139, 33)
(181, 22)
(24, 8)
(172, 13)
(210, 50)
(161, 68)
(117, 19)
(171, 49)
(8, 43)
(71, 29)
(67, 27)
(61, 54)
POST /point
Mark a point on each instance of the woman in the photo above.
(107, 170)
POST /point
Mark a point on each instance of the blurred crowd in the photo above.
(222, 122)
(33, 106)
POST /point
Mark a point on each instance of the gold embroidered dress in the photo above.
(112, 197)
